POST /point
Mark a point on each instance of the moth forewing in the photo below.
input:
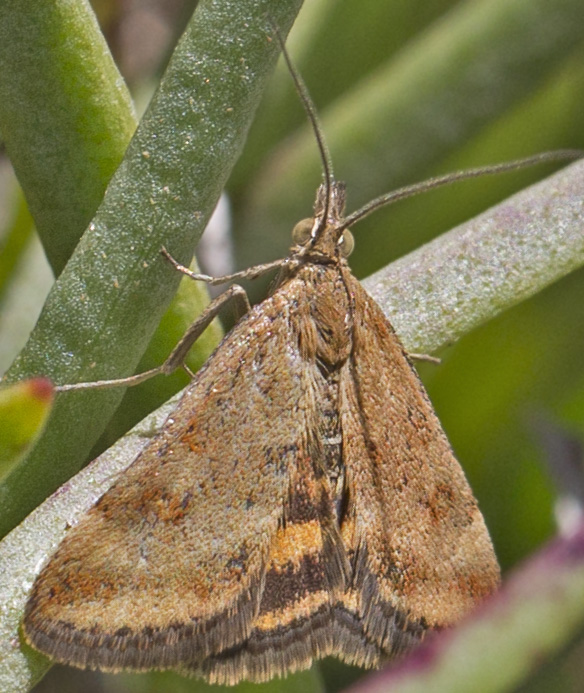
(433, 569)
(168, 564)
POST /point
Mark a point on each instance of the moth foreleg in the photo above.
(236, 294)
(249, 273)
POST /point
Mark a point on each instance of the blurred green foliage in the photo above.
(407, 90)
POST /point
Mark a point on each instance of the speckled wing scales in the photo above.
(307, 570)
(301, 501)
(419, 547)
(306, 574)
(172, 571)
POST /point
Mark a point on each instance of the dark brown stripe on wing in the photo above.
(151, 647)
(299, 621)
(285, 586)
(391, 627)
(329, 630)
(303, 505)
(318, 539)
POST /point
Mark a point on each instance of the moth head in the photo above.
(306, 229)
(326, 231)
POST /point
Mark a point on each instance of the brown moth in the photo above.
(301, 501)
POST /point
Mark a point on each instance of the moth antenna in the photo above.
(312, 115)
(439, 181)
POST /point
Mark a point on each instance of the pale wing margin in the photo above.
(167, 568)
(423, 556)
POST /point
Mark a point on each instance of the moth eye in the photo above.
(346, 243)
(302, 232)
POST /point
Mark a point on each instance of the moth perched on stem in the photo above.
(302, 500)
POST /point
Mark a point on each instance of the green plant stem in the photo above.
(103, 310)
(65, 114)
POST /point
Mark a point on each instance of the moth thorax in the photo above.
(305, 230)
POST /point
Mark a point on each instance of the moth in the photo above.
(301, 501)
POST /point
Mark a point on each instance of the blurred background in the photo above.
(406, 89)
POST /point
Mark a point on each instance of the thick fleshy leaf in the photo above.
(24, 408)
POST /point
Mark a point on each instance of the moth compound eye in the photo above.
(346, 243)
(302, 232)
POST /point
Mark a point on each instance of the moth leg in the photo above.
(249, 273)
(425, 357)
(236, 294)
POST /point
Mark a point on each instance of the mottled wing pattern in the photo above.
(302, 500)
(306, 574)
(307, 570)
(170, 565)
(420, 551)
